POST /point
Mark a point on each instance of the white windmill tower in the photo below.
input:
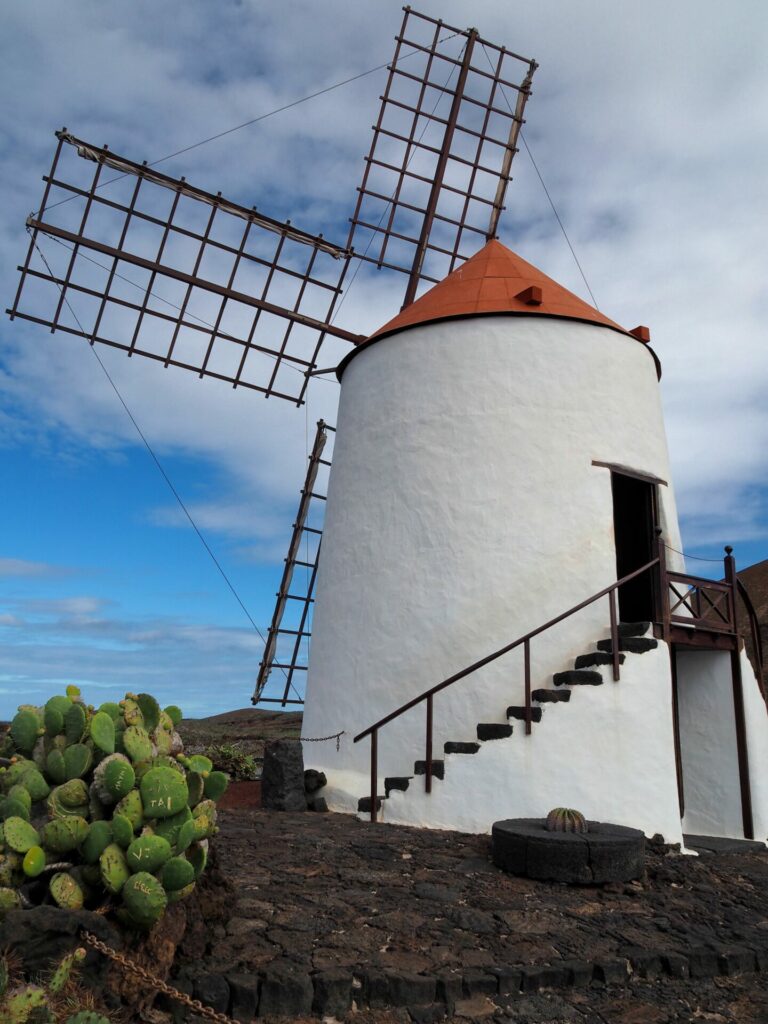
(500, 486)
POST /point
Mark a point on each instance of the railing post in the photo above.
(527, 662)
(664, 613)
(428, 766)
(374, 772)
(615, 655)
(729, 565)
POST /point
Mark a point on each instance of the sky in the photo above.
(648, 124)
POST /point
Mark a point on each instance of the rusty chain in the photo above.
(123, 961)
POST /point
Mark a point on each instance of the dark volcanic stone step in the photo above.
(438, 769)
(596, 658)
(633, 628)
(458, 747)
(493, 731)
(519, 713)
(633, 644)
(364, 804)
(400, 782)
(577, 677)
(551, 696)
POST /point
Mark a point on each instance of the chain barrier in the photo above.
(133, 968)
(322, 739)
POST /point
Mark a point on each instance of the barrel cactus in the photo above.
(100, 807)
(565, 819)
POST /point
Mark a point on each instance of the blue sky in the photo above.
(649, 127)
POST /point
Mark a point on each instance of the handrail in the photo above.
(503, 650)
(757, 639)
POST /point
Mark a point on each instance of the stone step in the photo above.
(364, 804)
(400, 782)
(438, 769)
(577, 677)
(458, 747)
(596, 658)
(493, 731)
(632, 644)
(633, 628)
(551, 696)
(519, 713)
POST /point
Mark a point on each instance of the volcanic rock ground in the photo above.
(329, 893)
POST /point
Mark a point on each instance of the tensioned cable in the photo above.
(255, 120)
(154, 457)
(697, 558)
(546, 192)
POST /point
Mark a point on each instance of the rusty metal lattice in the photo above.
(287, 647)
(439, 164)
(158, 268)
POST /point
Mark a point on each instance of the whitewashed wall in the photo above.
(464, 510)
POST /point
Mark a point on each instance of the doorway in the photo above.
(634, 527)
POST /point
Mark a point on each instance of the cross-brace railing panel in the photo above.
(287, 646)
(152, 265)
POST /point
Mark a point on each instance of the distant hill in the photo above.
(755, 579)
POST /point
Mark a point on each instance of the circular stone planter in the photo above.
(606, 853)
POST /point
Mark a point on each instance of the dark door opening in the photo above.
(634, 526)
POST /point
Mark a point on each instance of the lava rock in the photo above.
(244, 991)
(282, 779)
(333, 993)
(285, 992)
(213, 991)
(314, 780)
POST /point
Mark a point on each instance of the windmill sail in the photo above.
(439, 164)
(151, 265)
(287, 647)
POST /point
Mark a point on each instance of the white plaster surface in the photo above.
(608, 752)
(708, 744)
(756, 718)
(463, 511)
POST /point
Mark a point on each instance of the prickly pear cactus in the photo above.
(565, 819)
(102, 805)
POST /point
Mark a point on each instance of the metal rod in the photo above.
(428, 772)
(615, 658)
(426, 228)
(374, 772)
(527, 663)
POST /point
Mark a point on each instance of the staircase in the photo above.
(632, 640)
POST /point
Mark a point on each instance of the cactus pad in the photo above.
(56, 767)
(65, 834)
(34, 783)
(131, 712)
(66, 891)
(78, 758)
(103, 732)
(69, 799)
(174, 714)
(12, 808)
(163, 793)
(196, 785)
(9, 900)
(18, 792)
(20, 835)
(177, 873)
(63, 972)
(144, 898)
(34, 861)
(138, 745)
(75, 721)
(131, 807)
(169, 828)
(565, 819)
(148, 853)
(114, 868)
(197, 855)
(216, 785)
(113, 710)
(150, 711)
(197, 763)
(114, 778)
(122, 831)
(25, 729)
(98, 839)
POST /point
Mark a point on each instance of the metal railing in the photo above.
(524, 641)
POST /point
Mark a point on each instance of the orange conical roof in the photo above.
(495, 280)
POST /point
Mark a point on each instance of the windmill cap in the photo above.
(495, 280)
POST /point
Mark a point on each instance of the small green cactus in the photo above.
(148, 853)
(176, 874)
(174, 714)
(34, 861)
(565, 819)
(25, 728)
(65, 969)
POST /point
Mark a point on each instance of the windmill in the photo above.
(158, 268)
